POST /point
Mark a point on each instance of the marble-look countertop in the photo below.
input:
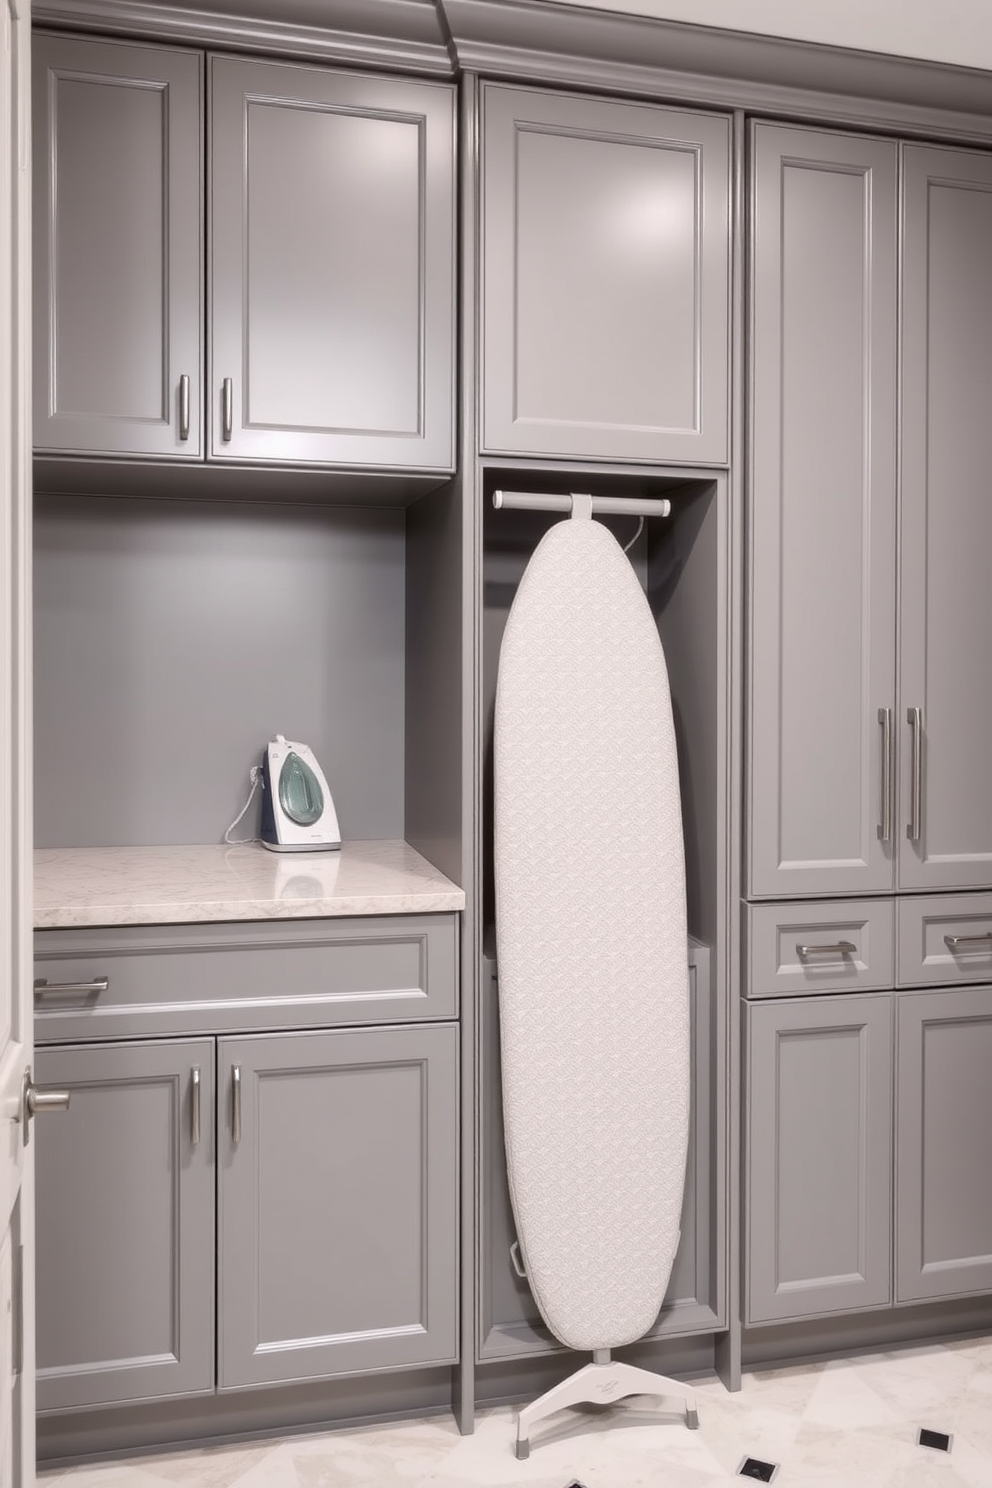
(180, 885)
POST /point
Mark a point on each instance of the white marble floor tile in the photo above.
(843, 1424)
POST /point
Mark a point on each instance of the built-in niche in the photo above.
(682, 565)
(173, 638)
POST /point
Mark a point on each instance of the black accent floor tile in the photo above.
(756, 1469)
(939, 1440)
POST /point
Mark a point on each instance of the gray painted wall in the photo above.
(173, 639)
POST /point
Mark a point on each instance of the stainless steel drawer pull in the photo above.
(194, 1120)
(45, 988)
(227, 402)
(914, 717)
(839, 948)
(968, 942)
(236, 1103)
(184, 406)
(885, 822)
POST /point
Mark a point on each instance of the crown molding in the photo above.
(396, 34)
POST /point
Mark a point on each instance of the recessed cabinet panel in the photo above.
(337, 1203)
(946, 818)
(125, 1224)
(819, 1165)
(822, 541)
(331, 268)
(943, 1152)
(605, 274)
(118, 210)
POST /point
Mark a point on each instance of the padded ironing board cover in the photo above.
(591, 940)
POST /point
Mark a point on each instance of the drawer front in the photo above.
(944, 938)
(837, 945)
(143, 981)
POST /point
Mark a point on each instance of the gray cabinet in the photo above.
(331, 270)
(330, 273)
(943, 1154)
(857, 784)
(337, 1193)
(822, 511)
(606, 236)
(118, 254)
(125, 1224)
(946, 618)
(818, 1174)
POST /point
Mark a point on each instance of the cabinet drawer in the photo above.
(235, 978)
(834, 946)
(944, 938)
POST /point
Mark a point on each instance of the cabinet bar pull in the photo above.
(227, 401)
(194, 1120)
(914, 717)
(184, 406)
(44, 988)
(967, 942)
(885, 824)
(839, 948)
(236, 1103)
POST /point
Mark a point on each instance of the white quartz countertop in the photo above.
(179, 885)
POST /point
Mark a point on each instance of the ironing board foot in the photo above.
(602, 1382)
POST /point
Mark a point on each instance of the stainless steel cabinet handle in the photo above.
(839, 948)
(517, 1260)
(35, 1100)
(184, 406)
(236, 1103)
(227, 403)
(914, 717)
(885, 822)
(44, 988)
(194, 1120)
(966, 942)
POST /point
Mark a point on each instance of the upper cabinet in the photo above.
(946, 597)
(328, 338)
(862, 781)
(606, 250)
(118, 249)
(331, 279)
(822, 511)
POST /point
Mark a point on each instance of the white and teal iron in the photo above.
(297, 810)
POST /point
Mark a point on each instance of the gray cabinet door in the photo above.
(943, 1151)
(118, 250)
(946, 597)
(125, 1225)
(606, 233)
(331, 266)
(818, 1156)
(822, 513)
(337, 1203)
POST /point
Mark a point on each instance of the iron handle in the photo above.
(194, 1119)
(517, 1260)
(885, 823)
(236, 1103)
(839, 948)
(44, 988)
(184, 406)
(914, 717)
(962, 942)
(227, 405)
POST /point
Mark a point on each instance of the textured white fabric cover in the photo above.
(591, 940)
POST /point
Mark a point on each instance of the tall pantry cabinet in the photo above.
(871, 359)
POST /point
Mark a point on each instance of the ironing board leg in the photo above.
(601, 1382)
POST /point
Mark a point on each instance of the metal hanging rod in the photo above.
(621, 506)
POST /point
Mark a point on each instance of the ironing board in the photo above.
(592, 957)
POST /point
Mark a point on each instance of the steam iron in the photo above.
(297, 810)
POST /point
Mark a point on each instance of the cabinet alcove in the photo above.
(680, 561)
